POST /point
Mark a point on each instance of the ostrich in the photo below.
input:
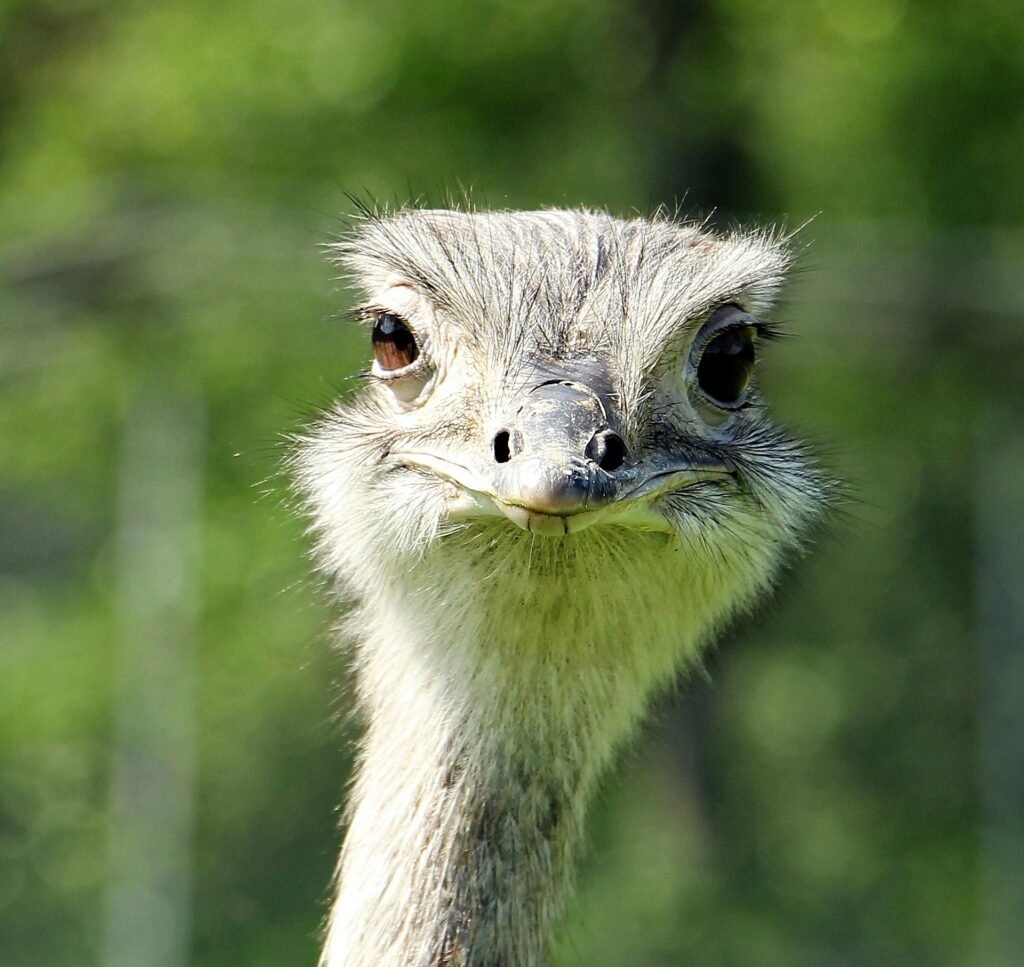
(558, 483)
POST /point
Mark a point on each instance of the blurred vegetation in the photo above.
(167, 173)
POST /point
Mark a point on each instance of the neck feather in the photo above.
(489, 724)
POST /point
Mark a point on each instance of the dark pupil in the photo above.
(393, 344)
(727, 364)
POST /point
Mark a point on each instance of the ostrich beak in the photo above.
(555, 459)
(557, 467)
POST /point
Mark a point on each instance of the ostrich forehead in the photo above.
(558, 278)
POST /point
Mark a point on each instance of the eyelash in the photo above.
(366, 313)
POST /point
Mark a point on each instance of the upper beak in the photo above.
(556, 455)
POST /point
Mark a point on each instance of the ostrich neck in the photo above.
(497, 680)
(482, 750)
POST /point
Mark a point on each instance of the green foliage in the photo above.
(167, 174)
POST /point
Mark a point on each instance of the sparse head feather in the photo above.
(503, 273)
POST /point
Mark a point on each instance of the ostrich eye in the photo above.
(726, 366)
(394, 345)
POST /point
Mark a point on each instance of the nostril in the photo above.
(607, 450)
(502, 453)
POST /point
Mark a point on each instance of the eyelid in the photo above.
(387, 375)
(729, 316)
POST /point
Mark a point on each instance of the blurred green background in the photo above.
(845, 785)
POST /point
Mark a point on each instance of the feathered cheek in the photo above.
(408, 509)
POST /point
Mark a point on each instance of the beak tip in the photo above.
(557, 489)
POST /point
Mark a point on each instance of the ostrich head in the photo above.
(559, 480)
